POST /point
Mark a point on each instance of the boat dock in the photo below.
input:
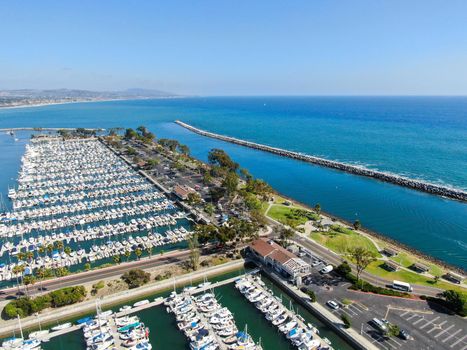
(155, 302)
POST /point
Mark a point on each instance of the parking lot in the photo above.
(429, 326)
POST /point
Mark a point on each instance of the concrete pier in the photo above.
(419, 185)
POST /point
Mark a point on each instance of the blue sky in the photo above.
(312, 47)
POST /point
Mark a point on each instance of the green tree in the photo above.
(87, 266)
(127, 254)
(193, 245)
(184, 149)
(346, 320)
(67, 250)
(230, 183)
(343, 269)
(219, 157)
(135, 278)
(317, 208)
(18, 272)
(209, 208)
(312, 295)
(285, 234)
(362, 257)
(357, 225)
(138, 253)
(149, 251)
(455, 301)
(193, 198)
(29, 280)
(116, 259)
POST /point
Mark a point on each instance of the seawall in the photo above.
(352, 169)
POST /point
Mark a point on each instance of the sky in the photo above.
(238, 47)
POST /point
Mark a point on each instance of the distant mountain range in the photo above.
(32, 97)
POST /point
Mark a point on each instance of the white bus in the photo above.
(402, 286)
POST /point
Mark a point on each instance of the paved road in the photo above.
(91, 276)
(335, 259)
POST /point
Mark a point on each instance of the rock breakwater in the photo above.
(419, 185)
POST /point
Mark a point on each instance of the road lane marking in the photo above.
(458, 341)
(451, 335)
(444, 331)
(429, 322)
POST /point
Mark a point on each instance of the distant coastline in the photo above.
(25, 105)
(419, 185)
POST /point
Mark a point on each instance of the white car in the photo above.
(332, 304)
(326, 269)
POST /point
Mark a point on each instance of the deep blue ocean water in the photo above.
(420, 137)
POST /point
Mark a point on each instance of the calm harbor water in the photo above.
(418, 137)
(165, 334)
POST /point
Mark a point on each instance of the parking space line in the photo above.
(421, 319)
(451, 335)
(437, 326)
(345, 312)
(458, 341)
(465, 347)
(353, 307)
(395, 341)
(361, 305)
(405, 313)
(444, 331)
(410, 317)
(429, 322)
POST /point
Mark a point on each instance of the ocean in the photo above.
(418, 137)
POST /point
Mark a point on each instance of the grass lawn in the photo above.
(407, 260)
(376, 268)
(264, 207)
(290, 215)
(341, 242)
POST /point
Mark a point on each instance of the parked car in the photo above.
(403, 334)
(332, 304)
(326, 269)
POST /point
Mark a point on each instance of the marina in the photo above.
(77, 202)
(218, 294)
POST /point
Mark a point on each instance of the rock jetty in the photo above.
(419, 185)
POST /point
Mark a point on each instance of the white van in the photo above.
(326, 269)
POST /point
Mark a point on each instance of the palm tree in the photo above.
(40, 273)
(29, 256)
(149, 251)
(138, 253)
(50, 248)
(67, 250)
(41, 250)
(59, 245)
(21, 256)
(127, 254)
(116, 259)
(17, 270)
(29, 279)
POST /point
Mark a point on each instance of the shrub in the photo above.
(343, 269)
(135, 278)
(346, 320)
(312, 295)
(369, 288)
(27, 306)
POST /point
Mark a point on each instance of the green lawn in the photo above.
(341, 242)
(407, 260)
(293, 216)
(376, 268)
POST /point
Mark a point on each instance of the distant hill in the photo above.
(30, 97)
